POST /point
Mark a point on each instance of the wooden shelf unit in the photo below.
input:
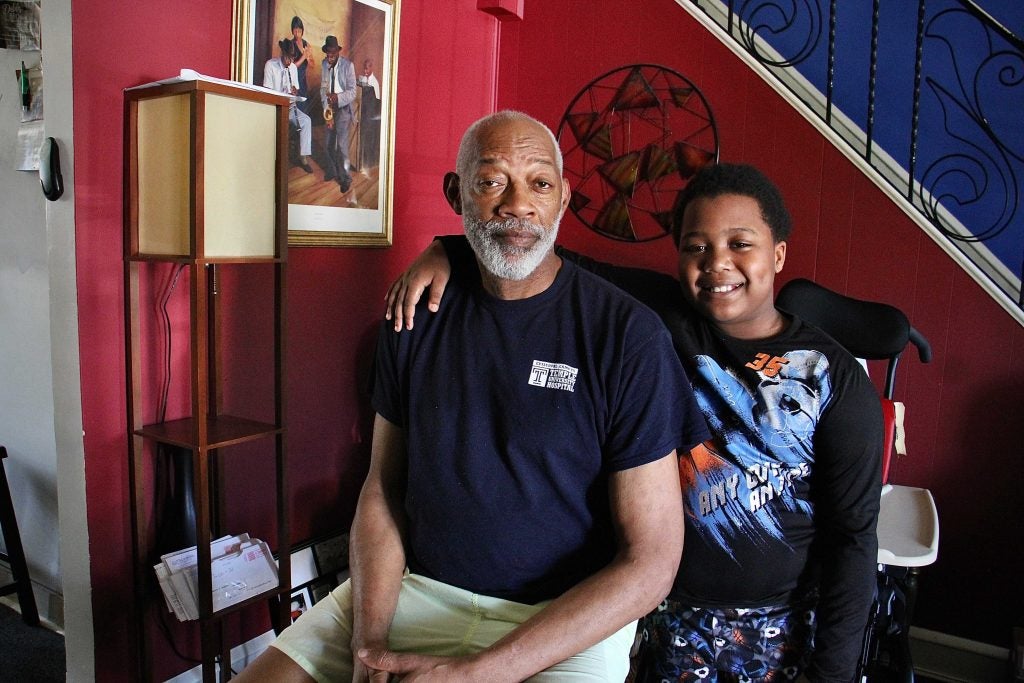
(204, 188)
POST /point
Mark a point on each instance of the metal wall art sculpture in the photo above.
(631, 139)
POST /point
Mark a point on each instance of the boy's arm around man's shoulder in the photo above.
(656, 290)
(451, 256)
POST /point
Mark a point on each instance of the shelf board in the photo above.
(222, 430)
(279, 591)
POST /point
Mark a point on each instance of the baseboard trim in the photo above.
(957, 660)
(49, 605)
(241, 656)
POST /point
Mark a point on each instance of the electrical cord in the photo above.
(162, 492)
(165, 388)
(166, 630)
(165, 319)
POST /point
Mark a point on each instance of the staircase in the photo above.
(926, 98)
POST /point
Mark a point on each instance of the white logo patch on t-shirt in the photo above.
(553, 375)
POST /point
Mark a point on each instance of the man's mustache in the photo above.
(502, 226)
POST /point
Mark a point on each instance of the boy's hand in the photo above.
(430, 269)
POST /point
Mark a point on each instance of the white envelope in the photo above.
(242, 575)
(178, 574)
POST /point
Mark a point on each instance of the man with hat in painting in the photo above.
(337, 90)
(282, 75)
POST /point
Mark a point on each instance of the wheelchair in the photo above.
(908, 525)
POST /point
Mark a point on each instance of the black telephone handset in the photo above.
(49, 170)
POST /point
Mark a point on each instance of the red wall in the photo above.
(962, 409)
(335, 295)
(965, 409)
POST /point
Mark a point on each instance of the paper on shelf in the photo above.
(187, 75)
(187, 557)
(174, 605)
(240, 568)
(242, 575)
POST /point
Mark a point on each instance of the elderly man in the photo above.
(522, 507)
(281, 75)
(337, 91)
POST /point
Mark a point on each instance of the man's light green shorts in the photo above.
(438, 619)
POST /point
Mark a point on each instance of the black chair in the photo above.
(15, 554)
(908, 530)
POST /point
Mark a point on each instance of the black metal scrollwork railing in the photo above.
(926, 95)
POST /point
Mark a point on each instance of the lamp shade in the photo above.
(204, 180)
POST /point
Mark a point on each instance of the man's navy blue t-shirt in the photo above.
(516, 414)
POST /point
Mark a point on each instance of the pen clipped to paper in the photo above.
(26, 92)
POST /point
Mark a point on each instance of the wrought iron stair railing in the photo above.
(925, 96)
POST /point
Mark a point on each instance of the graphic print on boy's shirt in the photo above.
(741, 480)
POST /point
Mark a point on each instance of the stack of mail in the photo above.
(240, 568)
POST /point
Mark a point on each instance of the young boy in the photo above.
(777, 573)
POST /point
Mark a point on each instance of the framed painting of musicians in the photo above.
(339, 60)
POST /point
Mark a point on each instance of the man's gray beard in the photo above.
(503, 261)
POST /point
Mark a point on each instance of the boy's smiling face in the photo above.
(727, 265)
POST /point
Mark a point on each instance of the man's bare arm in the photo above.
(647, 511)
(377, 550)
(378, 562)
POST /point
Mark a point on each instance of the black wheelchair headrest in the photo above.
(867, 329)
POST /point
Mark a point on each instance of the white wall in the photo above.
(40, 391)
(26, 379)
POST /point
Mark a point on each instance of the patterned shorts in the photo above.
(680, 643)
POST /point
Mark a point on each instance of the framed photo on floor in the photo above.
(322, 588)
(302, 600)
(331, 554)
(341, 140)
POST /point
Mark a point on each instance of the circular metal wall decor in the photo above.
(631, 140)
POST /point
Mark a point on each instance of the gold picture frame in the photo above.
(320, 212)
